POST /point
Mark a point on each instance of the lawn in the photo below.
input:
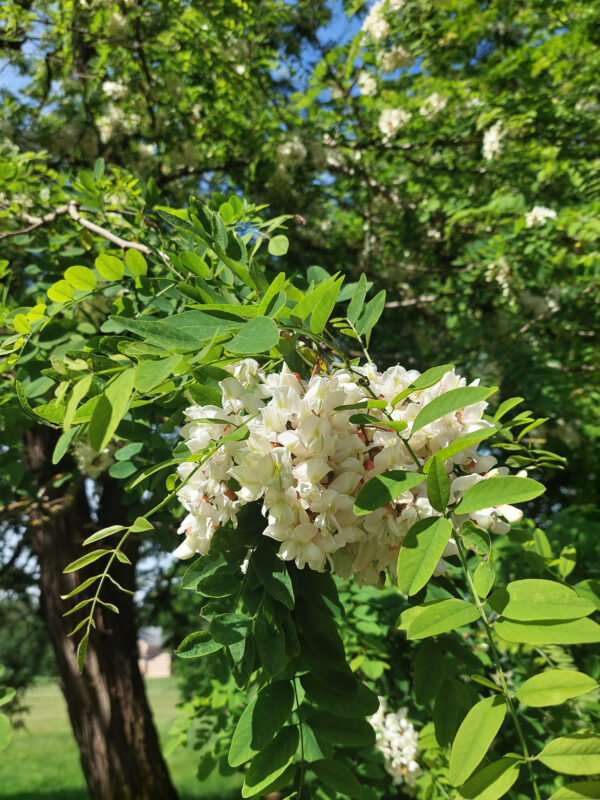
(42, 762)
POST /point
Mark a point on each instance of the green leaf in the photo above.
(322, 311)
(110, 267)
(429, 671)
(343, 732)
(499, 491)
(439, 616)
(447, 403)
(506, 406)
(151, 373)
(81, 278)
(452, 703)
(337, 777)
(103, 534)
(385, 488)
(81, 587)
(122, 469)
(460, 444)
(6, 695)
(476, 538)
(5, 731)
(182, 333)
(82, 651)
(420, 552)
(278, 245)
(474, 737)
(141, 525)
(21, 324)
(356, 701)
(260, 721)
(576, 754)
(273, 575)
(79, 391)
(579, 631)
(136, 263)
(554, 686)
(89, 558)
(62, 444)
(258, 335)
(305, 306)
(197, 644)
(483, 578)
(60, 292)
(230, 628)
(424, 381)
(355, 306)
(492, 781)
(271, 762)
(536, 599)
(110, 409)
(577, 791)
(370, 316)
(438, 485)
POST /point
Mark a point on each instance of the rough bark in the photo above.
(107, 705)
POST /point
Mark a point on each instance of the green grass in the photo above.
(42, 762)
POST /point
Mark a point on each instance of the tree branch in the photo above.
(70, 208)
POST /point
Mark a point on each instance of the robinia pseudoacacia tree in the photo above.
(299, 464)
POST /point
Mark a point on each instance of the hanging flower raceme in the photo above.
(306, 460)
(398, 740)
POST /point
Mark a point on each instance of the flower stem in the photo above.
(496, 659)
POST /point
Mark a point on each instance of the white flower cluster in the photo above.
(292, 152)
(90, 462)
(398, 740)
(493, 140)
(538, 216)
(432, 105)
(391, 120)
(375, 23)
(396, 58)
(307, 463)
(367, 84)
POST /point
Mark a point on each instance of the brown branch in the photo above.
(70, 208)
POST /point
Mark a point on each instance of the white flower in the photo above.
(493, 140)
(398, 740)
(375, 23)
(391, 120)
(538, 216)
(396, 58)
(433, 104)
(117, 26)
(114, 89)
(367, 84)
(89, 461)
(292, 152)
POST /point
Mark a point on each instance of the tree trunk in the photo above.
(108, 707)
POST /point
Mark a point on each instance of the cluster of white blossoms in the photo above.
(432, 105)
(90, 462)
(538, 216)
(396, 58)
(375, 23)
(398, 740)
(391, 120)
(493, 140)
(367, 84)
(292, 152)
(306, 462)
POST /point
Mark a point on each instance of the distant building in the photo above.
(154, 661)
